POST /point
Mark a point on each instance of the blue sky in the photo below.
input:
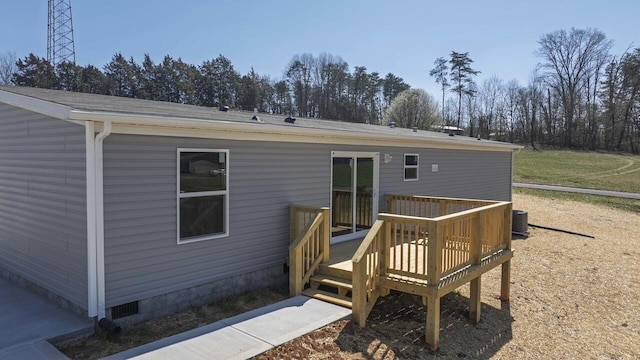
(402, 37)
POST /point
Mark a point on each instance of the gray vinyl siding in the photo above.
(142, 257)
(482, 175)
(43, 202)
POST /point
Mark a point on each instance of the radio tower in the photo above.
(60, 46)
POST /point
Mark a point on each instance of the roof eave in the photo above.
(47, 108)
(166, 126)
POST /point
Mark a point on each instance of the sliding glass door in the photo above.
(354, 194)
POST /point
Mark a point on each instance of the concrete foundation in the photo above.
(201, 295)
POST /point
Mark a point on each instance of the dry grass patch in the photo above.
(100, 344)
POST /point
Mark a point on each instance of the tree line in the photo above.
(322, 86)
(580, 96)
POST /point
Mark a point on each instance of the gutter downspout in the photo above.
(99, 209)
(92, 287)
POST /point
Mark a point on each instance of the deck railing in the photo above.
(471, 235)
(309, 247)
(342, 208)
(430, 207)
(417, 245)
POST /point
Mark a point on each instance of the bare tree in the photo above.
(570, 59)
(489, 96)
(7, 67)
(511, 108)
(300, 81)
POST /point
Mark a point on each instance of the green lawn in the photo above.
(578, 169)
(631, 205)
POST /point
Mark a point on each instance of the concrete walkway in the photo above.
(27, 321)
(244, 335)
(619, 194)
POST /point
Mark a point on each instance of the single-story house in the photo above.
(130, 209)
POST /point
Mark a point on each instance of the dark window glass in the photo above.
(203, 171)
(410, 173)
(411, 160)
(200, 216)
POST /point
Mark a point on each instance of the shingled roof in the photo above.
(83, 106)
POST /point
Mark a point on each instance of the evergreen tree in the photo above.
(94, 81)
(35, 71)
(440, 73)
(462, 78)
(69, 76)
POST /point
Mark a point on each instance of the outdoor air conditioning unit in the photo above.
(520, 223)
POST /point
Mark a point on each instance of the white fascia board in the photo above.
(315, 138)
(220, 129)
(36, 105)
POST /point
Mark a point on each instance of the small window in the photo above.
(410, 167)
(203, 194)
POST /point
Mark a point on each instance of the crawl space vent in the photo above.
(124, 310)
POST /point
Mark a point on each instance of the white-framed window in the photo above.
(202, 194)
(411, 165)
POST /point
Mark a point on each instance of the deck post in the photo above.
(432, 327)
(476, 257)
(385, 247)
(434, 269)
(506, 280)
(434, 254)
(295, 273)
(506, 266)
(390, 204)
(474, 299)
(506, 231)
(293, 225)
(443, 207)
(326, 233)
(359, 293)
(385, 253)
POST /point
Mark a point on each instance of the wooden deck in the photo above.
(425, 246)
(341, 255)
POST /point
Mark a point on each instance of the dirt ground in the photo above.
(572, 297)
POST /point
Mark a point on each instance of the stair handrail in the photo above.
(368, 262)
(308, 250)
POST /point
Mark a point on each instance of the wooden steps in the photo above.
(331, 285)
(326, 269)
(328, 297)
(327, 280)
